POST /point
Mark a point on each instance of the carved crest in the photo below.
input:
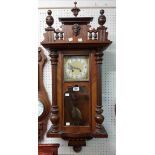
(76, 29)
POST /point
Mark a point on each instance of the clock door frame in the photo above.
(61, 83)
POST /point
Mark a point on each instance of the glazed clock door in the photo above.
(76, 92)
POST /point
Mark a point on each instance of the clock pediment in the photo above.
(76, 32)
(73, 20)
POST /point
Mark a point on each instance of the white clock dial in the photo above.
(40, 108)
(76, 68)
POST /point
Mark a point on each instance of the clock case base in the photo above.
(77, 140)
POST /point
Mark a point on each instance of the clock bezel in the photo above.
(79, 52)
(88, 69)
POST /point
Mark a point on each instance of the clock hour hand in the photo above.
(73, 67)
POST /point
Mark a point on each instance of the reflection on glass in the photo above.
(40, 108)
(76, 106)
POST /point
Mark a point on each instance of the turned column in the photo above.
(99, 117)
(54, 111)
(54, 117)
(102, 36)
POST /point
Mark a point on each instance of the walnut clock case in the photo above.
(76, 51)
(43, 101)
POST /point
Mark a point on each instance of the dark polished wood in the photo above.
(72, 20)
(49, 21)
(78, 38)
(75, 10)
(48, 149)
(99, 117)
(54, 112)
(71, 46)
(42, 95)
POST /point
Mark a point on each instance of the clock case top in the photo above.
(76, 37)
(76, 28)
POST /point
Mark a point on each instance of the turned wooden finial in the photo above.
(102, 18)
(49, 21)
(75, 10)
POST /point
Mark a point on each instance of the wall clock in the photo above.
(43, 101)
(76, 52)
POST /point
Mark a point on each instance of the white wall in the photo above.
(94, 146)
(81, 3)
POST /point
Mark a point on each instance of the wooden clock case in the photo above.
(42, 95)
(48, 149)
(76, 38)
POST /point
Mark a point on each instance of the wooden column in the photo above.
(102, 36)
(99, 117)
(54, 111)
(54, 117)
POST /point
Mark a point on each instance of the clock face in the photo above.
(76, 68)
(40, 108)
